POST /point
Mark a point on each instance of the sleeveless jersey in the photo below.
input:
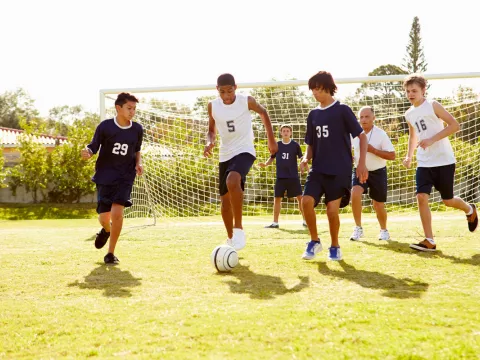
(426, 124)
(234, 124)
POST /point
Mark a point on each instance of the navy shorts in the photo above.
(241, 164)
(441, 177)
(332, 186)
(113, 194)
(292, 187)
(376, 185)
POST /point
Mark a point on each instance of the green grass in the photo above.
(165, 301)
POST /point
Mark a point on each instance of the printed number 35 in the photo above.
(322, 131)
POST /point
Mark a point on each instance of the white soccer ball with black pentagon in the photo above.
(224, 258)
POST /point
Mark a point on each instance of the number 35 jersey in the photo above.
(234, 124)
(117, 146)
(426, 124)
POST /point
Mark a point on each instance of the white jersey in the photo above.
(379, 140)
(234, 124)
(426, 124)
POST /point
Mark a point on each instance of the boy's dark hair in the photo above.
(226, 79)
(123, 98)
(323, 80)
(415, 79)
(286, 126)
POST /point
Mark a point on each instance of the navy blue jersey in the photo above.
(117, 158)
(328, 133)
(286, 159)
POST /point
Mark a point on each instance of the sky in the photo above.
(64, 52)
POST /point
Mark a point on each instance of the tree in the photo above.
(14, 106)
(414, 61)
(32, 170)
(70, 176)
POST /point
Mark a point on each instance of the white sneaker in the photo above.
(357, 233)
(384, 235)
(238, 240)
(230, 242)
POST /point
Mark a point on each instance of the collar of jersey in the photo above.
(326, 107)
(121, 127)
(286, 143)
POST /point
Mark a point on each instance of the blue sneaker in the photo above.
(335, 253)
(313, 247)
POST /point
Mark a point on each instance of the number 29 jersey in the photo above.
(117, 146)
(426, 124)
(234, 124)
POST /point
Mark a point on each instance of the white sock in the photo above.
(431, 241)
(471, 210)
(274, 223)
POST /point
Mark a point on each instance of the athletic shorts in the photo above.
(113, 194)
(332, 186)
(241, 164)
(292, 187)
(376, 185)
(441, 177)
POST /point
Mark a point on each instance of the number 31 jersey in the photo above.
(234, 124)
(426, 124)
(117, 146)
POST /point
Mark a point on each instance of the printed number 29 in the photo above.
(230, 126)
(120, 149)
(322, 131)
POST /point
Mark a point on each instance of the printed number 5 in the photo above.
(322, 131)
(231, 126)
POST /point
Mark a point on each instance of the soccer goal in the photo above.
(180, 182)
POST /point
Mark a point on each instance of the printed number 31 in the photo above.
(322, 131)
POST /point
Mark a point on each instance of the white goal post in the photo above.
(179, 182)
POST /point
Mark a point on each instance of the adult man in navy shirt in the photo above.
(287, 173)
(118, 142)
(329, 127)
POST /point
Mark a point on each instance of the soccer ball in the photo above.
(224, 258)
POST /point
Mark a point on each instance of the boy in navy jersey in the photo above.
(329, 128)
(230, 115)
(287, 173)
(435, 157)
(118, 142)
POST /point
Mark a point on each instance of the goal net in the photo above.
(179, 182)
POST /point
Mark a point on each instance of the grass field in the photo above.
(165, 301)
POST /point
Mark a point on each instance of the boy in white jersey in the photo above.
(230, 115)
(436, 161)
(380, 149)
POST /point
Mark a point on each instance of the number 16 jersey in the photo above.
(234, 124)
(426, 124)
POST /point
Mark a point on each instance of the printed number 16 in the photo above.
(322, 131)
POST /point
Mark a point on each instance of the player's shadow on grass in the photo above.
(392, 287)
(298, 231)
(113, 281)
(262, 287)
(405, 249)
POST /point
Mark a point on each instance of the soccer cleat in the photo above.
(272, 226)
(384, 235)
(230, 242)
(334, 253)
(304, 224)
(422, 246)
(239, 239)
(313, 247)
(473, 219)
(101, 238)
(111, 259)
(357, 233)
